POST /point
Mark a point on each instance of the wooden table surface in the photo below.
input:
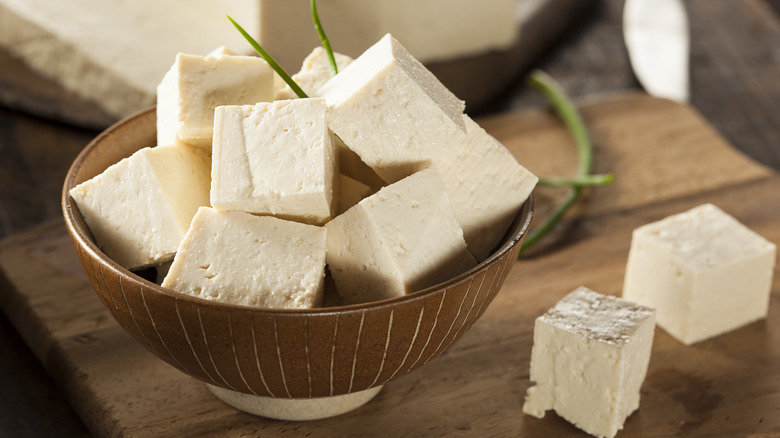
(735, 72)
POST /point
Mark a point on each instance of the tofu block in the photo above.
(284, 27)
(260, 261)
(399, 240)
(392, 111)
(196, 85)
(112, 53)
(314, 73)
(275, 158)
(487, 187)
(351, 192)
(589, 360)
(139, 208)
(705, 272)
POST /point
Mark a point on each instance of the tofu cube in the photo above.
(196, 85)
(399, 240)
(589, 360)
(487, 187)
(705, 272)
(314, 73)
(393, 112)
(275, 158)
(260, 261)
(139, 208)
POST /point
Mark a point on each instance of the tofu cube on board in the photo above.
(139, 208)
(314, 73)
(275, 158)
(589, 360)
(401, 239)
(487, 187)
(703, 271)
(196, 85)
(393, 112)
(238, 258)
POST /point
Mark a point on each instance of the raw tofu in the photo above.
(275, 158)
(196, 85)
(351, 192)
(487, 187)
(705, 272)
(399, 240)
(314, 73)
(139, 208)
(260, 261)
(111, 52)
(589, 360)
(433, 30)
(392, 111)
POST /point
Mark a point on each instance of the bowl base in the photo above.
(296, 409)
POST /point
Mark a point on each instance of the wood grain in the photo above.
(729, 385)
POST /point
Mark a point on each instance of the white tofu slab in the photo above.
(260, 261)
(111, 52)
(392, 111)
(139, 209)
(487, 187)
(401, 239)
(275, 158)
(589, 360)
(705, 272)
(196, 85)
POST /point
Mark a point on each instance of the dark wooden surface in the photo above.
(735, 71)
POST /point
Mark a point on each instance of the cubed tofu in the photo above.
(589, 360)
(705, 272)
(314, 73)
(139, 208)
(487, 187)
(275, 158)
(401, 239)
(393, 112)
(259, 261)
(196, 85)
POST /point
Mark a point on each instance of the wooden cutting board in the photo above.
(665, 158)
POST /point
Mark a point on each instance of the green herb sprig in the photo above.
(270, 60)
(568, 113)
(334, 68)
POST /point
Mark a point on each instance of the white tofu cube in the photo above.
(196, 85)
(487, 187)
(399, 240)
(589, 360)
(274, 158)
(392, 111)
(261, 261)
(139, 208)
(314, 73)
(705, 272)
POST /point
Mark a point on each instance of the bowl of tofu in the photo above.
(270, 260)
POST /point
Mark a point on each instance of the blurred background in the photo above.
(70, 68)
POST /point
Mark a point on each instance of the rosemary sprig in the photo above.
(334, 68)
(270, 60)
(566, 110)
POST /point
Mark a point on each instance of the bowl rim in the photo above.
(83, 238)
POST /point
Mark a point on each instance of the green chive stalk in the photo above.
(334, 68)
(568, 113)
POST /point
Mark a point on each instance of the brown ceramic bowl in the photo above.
(279, 353)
